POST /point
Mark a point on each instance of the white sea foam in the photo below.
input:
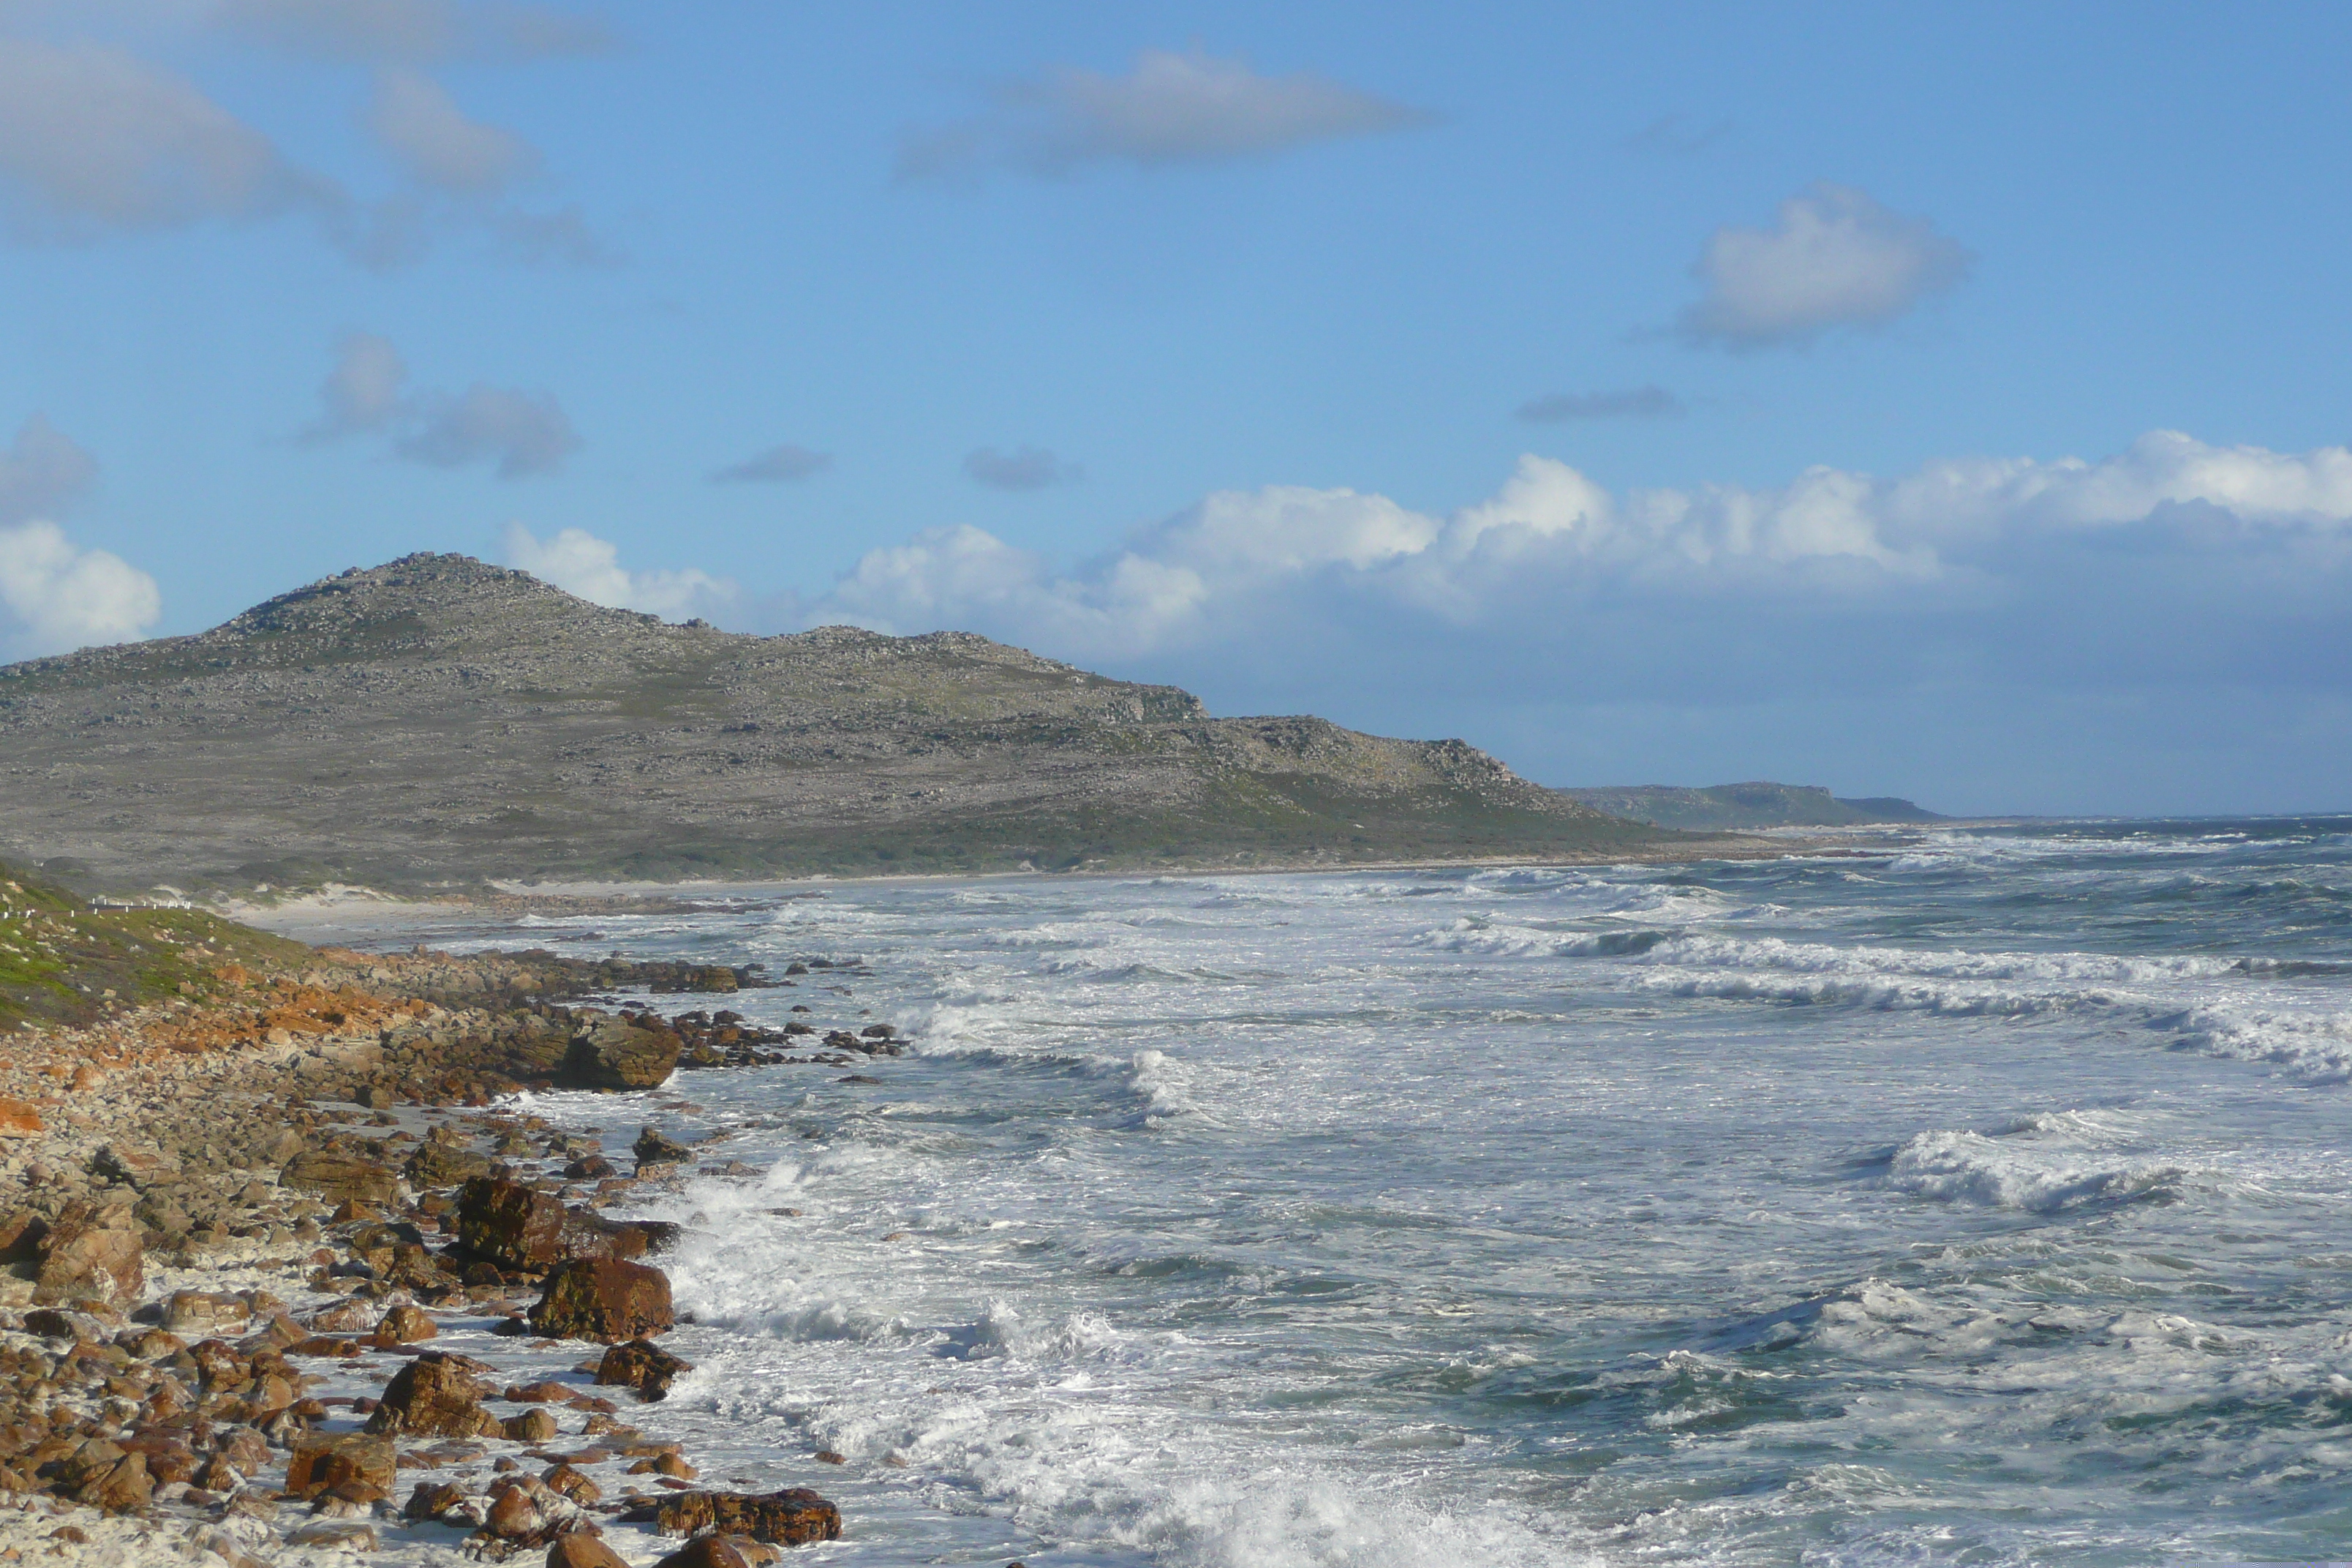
(1967, 1167)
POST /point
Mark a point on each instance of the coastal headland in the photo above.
(435, 722)
(280, 1282)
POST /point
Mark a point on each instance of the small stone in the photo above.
(205, 1313)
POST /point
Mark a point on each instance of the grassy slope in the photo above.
(62, 961)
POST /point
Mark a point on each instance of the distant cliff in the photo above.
(440, 720)
(1729, 808)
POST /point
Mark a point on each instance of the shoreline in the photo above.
(238, 1234)
(593, 898)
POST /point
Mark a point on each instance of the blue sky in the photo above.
(1949, 405)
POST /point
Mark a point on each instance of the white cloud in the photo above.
(60, 597)
(522, 433)
(413, 31)
(1835, 258)
(42, 471)
(1549, 538)
(437, 145)
(777, 464)
(1170, 108)
(1028, 468)
(579, 562)
(94, 142)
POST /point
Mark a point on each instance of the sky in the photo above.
(1948, 403)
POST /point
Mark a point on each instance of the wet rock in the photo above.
(530, 1427)
(438, 1165)
(604, 1300)
(321, 1463)
(91, 1252)
(582, 1549)
(794, 1517)
(118, 1482)
(348, 1535)
(346, 1316)
(642, 1366)
(434, 1396)
(205, 1314)
(404, 1325)
(655, 1148)
(611, 1054)
(717, 1551)
(341, 1178)
(434, 1500)
(56, 1323)
(591, 1168)
(568, 1482)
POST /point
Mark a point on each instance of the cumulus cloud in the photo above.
(42, 472)
(60, 597)
(579, 562)
(1190, 108)
(518, 433)
(413, 31)
(419, 124)
(1027, 469)
(1553, 558)
(1632, 403)
(94, 142)
(777, 464)
(1835, 257)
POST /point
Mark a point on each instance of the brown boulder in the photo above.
(710, 1551)
(205, 1313)
(439, 1164)
(508, 1224)
(530, 1427)
(91, 1252)
(433, 1396)
(643, 1365)
(793, 1517)
(404, 1325)
(321, 1463)
(341, 1178)
(611, 1054)
(124, 1487)
(602, 1298)
(582, 1549)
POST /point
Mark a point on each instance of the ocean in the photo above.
(1979, 1196)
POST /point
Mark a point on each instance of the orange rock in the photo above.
(17, 1120)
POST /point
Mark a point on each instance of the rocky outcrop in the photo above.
(341, 1463)
(794, 1517)
(92, 1252)
(341, 1178)
(604, 1299)
(435, 1395)
(614, 1054)
(642, 1366)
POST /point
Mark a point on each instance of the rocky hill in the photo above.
(1733, 807)
(436, 720)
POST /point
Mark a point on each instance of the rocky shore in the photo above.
(281, 1280)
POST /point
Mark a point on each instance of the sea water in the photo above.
(1979, 1198)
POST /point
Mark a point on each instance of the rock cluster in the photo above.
(173, 1142)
